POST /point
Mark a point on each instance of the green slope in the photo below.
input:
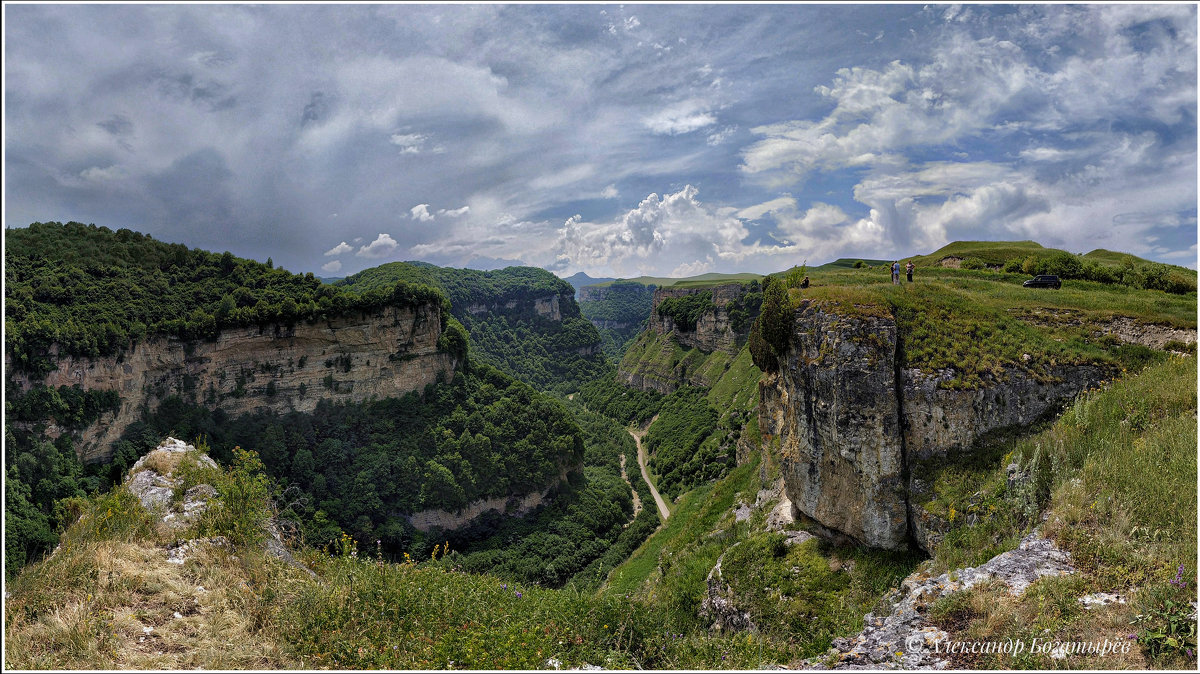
(548, 354)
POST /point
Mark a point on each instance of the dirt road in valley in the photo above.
(663, 510)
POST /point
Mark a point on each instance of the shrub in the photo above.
(242, 507)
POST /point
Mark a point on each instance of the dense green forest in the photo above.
(684, 450)
(620, 402)
(580, 535)
(548, 354)
(685, 310)
(92, 290)
(361, 467)
(36, 480)
(624, 303)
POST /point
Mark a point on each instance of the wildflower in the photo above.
(518, 594)
(1132, 637)
(1179, 582)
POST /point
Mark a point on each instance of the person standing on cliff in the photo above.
(896, 273)
(909, 268)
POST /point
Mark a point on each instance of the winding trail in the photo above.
(637, 499)
(663, 510)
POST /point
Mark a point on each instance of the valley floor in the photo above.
(663, 511)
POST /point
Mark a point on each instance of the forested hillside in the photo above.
(362, 468)
(91, 291)
(619, 310)
(497, 308)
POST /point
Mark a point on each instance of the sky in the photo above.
(618, 140)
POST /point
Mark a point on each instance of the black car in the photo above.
(1043, 281)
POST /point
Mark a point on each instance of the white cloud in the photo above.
(681, 118)
(339, 249)
(816, 220)
(661, 233)
(106, 174)
(718, 137)
(409, 143)
(453, 213)
(421, 213)
(1043, 154)
(332, 267)
(757, 211)
(610, 192)
(562, 177)
(382, 246)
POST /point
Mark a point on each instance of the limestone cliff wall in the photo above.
(548, 307)
(655, 363)
(383, 353)
(833, 407)
(714, 330)
(850, 424)
(592, 293)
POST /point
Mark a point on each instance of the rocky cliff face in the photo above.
(833, 406)
(850, 423)
(384, 353)
(714, 331)
(548, 307)
(592, 293)
(656, 362)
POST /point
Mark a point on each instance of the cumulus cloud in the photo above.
(339, 249)
(332, 267)
(421, 213)
(454, 213)
(610, 192)
(661, 233)
(382, 246)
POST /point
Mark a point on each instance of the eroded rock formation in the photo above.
(850, 422)
(714, 330)
(383, 353)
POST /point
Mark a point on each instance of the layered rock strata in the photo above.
(851, 423)
(714, 330)
(386, 352)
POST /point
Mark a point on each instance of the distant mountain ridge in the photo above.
(581, 279)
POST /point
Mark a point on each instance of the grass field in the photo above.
(981, 322)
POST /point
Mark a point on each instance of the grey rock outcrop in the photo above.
(903, 638)
(834, 409)
(719, 606)
(851, 424)
(156, 490)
